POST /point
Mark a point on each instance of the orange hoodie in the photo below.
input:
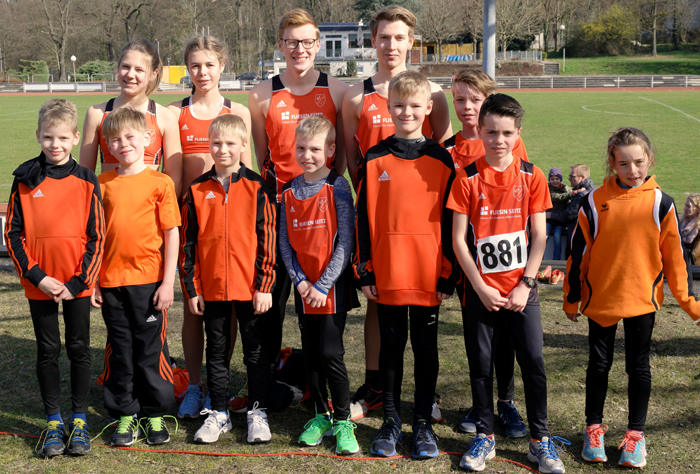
(625, 242)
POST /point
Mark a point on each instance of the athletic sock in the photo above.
(79, 416)
(56, 417)
(372, 379)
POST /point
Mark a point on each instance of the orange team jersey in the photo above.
(153, 154)
(465, 152)
(499, 205)
(194, 132)
(312, 229)
(375, 123)
(285, 112)
(138, 208)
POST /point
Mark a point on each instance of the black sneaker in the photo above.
(156, 431)
(365, 400)
(79, 439)
(424, 441)
(127, 431)
(511, 420)
(384, 442)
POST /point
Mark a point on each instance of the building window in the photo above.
(352, 40)
(431, 49)
(367, 40)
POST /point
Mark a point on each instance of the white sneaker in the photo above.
(481, 449)
(217, 422)
(258, 429)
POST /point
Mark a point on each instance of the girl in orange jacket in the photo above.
(610, 284)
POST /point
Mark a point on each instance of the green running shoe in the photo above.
(345, 441)
(315, 430)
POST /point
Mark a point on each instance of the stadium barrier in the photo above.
(64, 87)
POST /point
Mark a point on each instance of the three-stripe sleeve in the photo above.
(189, 234)
(25, 265)
(267, 242)
(577, 265)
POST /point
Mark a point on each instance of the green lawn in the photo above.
(667, 62)
(559, 129)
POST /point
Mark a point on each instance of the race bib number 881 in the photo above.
(502, 253)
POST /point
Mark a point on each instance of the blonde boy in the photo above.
(136, 282)
(227, 260)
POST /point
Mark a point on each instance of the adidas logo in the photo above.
(151, 319)
(281, 104)
(292, 209)
(210, 195)
(38, 194)
(372, 107)
(456, 166)
(184, 127)
(384, 177)
(481, 196)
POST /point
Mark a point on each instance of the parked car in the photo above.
(248, 76)
(186, 80)
(268, 74)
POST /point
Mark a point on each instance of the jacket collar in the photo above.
(34, 172)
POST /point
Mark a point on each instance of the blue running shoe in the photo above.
(634, 453)
(468, 423)
(424, 441)
(79, 439)
(193, 402)
(594, 443)
(511, 420)
(481, 449)
(52, 438)
(386, 439)
(546, 454)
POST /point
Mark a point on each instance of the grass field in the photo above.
(666, 63)
(560, 129)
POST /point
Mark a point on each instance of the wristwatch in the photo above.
(531, 282)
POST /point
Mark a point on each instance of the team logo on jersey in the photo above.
(372, 107)
(376, 119)
(38, 194)
(292, 209)
(484, 211)
(295, 223)
(384, 176)
(281, 104)
(190, 138)
(285, 115)
(322, 204)
(184, 127)
(320, 100)
(150, 137)
(518, 192)
(210, 195)
(456, 166)
(604, 208)
(481, 196)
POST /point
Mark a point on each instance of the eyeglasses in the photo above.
(293, 43)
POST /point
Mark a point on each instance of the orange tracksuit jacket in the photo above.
(228, 239)
(404, 229)
(624, 243)
(55, 226)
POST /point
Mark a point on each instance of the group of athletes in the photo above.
(434, 212)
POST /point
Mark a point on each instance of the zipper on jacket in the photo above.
(225, 233)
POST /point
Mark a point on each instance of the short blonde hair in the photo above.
(477, 80)
(393, 13)
(627, 136)
(581, 170)
(124, 118)
(229, 124)
(408, 84)
(316, 126)
(297, 17)
(57, 111)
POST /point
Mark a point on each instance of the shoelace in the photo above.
(316, 422)
(509, 412)
(80, 432)
(550, 448)
(212, 418)
(155, 423)
(126, 422)
(595, 433)
(630, 441)
(344, 430)
(388, 431)
(425, 434)
(197, 393)
(51, 432)
(478, 446)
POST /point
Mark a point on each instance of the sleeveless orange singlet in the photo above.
(194, 132)
(153, 154)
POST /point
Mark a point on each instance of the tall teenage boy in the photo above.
(366, 121)
(403, 260)
(499, 238)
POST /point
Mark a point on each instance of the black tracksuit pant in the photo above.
(393, 330)
(137, 373)
(76, 316)
(322, 345)
(217, 325)
(601, 342)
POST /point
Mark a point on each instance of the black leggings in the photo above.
(393, 329)
(601, 341)
(76, 316)
(322, 344)
(275, 316)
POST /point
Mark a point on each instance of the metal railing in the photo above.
(588, 82)
(74, 77)
(49, 77)
(107, 76)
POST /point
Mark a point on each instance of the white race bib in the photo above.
(502, 253)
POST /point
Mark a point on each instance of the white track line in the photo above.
(585, 107)
(672, 108)
(22, 112)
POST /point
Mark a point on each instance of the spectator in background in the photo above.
(561, 196)
(689, 227)
(580, 180)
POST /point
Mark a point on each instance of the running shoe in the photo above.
(386, 439)
(594, 443)
(315, 430)
(557, 276)
(239, 403)
(546, 454)
(545, 274)
(156, 431)
(365, 400)
(634, 453)
(468, 423)
(79, 439)
(511, 420)
(481, 449)
(217, 423)
(424, 441)
(127, 431)
(52, 437)
(436, 414)
(258, 428)
(193, 403)
(345, 441)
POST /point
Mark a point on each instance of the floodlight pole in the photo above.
(73, 58)
(488, 58)
(158, 44)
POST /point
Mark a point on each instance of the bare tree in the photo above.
(438, 21)
(514, 19)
